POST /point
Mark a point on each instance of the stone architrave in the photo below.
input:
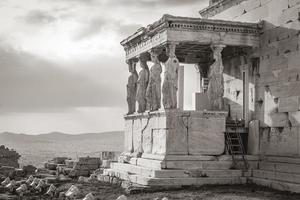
(170, 84)
(132, 88)
(153, 93)
(142, 85)
(215, 89)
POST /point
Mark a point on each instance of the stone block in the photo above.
(128, 135)
(152, 164)
(206, 135)
(289, 104)
(276, 119)
(105, 163)
(294, 118)
(253, 138)
(285, 89)
(159, 141)
(279, 141)
(207, 165)
(278, 185)
(279, 176)
(294, 60)
(59, 160)
(137, 136)
(200, 101)
(176, 141)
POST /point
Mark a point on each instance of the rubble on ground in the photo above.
(50, 181)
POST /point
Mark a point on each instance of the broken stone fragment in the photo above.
(40, 185)
(72, 192)
(30, 179)
(89, 196)
(122, 197)
(81, 179)
(11, 185)
(51, 190)
(5, 182)
(22, 189)
(35, 182)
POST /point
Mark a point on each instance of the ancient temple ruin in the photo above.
(246, 56)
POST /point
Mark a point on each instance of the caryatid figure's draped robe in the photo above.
(170, 84)
(131, 90)
(154, 88)
(216, 82)
(142, 87)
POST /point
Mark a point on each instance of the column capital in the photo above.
(217, 47)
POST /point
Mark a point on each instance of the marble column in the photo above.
(215, 89)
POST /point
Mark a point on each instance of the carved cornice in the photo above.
(156, 33)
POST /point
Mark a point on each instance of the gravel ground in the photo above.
(103, 191)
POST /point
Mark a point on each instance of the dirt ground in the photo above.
(104, 191)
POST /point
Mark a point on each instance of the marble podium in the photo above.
(163, 134)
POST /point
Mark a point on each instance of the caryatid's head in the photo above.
(131, 66)
(154, 57)
(171, 48)
(143, 64)
(217, 52)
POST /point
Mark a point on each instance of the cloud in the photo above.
(29, 83)
(153, 3)
(90, 28)
(97, 25)
(39, 17)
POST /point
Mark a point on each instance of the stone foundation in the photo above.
(167, 133)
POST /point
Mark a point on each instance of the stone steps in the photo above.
(278, 176)
(179, 181)
(280, 167)
(281, 173)
(278, 185)
(146, 172)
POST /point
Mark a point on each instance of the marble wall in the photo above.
(277, 79)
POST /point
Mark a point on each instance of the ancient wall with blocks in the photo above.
(277, 98)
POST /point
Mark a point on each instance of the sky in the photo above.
(62, 67)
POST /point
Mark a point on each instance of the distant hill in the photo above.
(35, 149)
(53, 136)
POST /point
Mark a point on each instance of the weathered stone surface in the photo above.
(279, 141)
(289, 104)
(253, 138)
(159, 138)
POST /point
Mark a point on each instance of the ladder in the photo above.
(235, 147)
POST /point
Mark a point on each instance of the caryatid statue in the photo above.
(215, 89)
(170, 84)
(153, 93)
(132, 87)
(142, 85)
